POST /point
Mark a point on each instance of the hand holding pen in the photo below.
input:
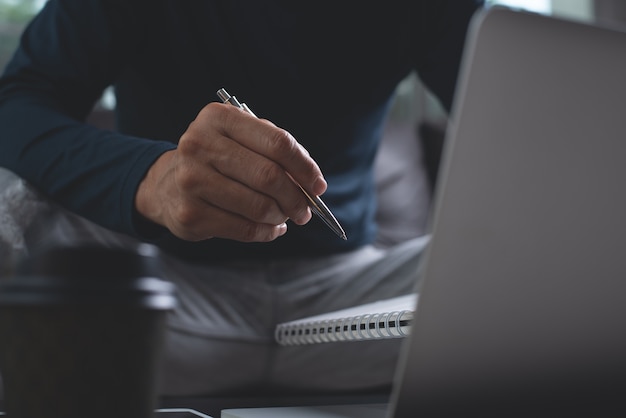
(315, 203)
(232, 176)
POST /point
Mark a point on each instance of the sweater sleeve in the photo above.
(68, 54)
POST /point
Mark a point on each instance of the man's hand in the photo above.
(232, 176)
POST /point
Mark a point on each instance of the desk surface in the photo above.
(214, 406)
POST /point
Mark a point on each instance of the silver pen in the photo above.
(315, 203)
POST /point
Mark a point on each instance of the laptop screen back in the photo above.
(524, 301)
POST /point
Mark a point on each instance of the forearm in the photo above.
(70, 52)
(91, 172)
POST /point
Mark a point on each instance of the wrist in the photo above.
(148, 199)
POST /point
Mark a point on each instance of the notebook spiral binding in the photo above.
(394, 324)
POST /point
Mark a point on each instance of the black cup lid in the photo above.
(90, 274)
(143, 292)
(92, 260)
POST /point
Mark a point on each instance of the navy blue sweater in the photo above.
(325, 71)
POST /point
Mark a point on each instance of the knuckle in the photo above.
(249, 232)
(225, 114)
(186, 217)
(268, 174)
(185, 178)
(296, 206)
(256, 232)
(213, 109)
(190, 142)
(212, 116)
(261, 209)
(283, 143)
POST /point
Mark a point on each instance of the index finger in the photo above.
(276, 144)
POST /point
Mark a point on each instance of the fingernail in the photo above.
(282, 229)
(319, 186)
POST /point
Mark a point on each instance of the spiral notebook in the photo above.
(389, 318)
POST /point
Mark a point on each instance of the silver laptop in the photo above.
(523, 309)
